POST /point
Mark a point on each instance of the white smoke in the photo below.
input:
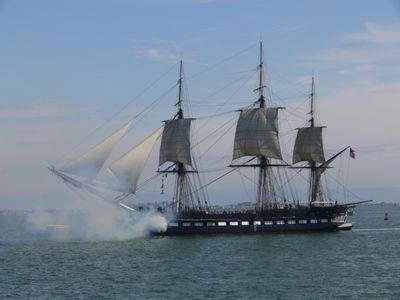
(95, 220)
(92, 218)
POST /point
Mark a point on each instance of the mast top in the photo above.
(312, 103)
(180, 93)
(261, 86)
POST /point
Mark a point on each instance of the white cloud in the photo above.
(199, 1)
(344, 72)
(214, 1)
(362, 114)
(304, 80)
(366, 116)
(33, 111)
(376, 34)
(159, 54)
(363, 68)
(377, 44)
(167, 52)
(359, 55)
(26, 148)
(37, 110)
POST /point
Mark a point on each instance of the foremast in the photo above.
(175, 147)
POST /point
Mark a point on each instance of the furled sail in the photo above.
(257, 133)
(123, 174)
(89, 164)
(308, 145)
(175, 142)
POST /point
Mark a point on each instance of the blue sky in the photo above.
(66, 66)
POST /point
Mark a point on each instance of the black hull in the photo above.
(182, 231)
(272, 221)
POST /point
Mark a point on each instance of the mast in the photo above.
(314, 185)
(180, 168)
(309, 148)
(312, 102)
(175, 147)
(257, 135)
(180, 92)
(261, 85)
(263, 161)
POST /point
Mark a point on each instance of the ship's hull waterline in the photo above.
(250, 229)
(247, 223)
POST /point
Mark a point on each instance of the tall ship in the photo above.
(256, 145)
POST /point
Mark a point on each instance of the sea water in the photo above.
(360, 264)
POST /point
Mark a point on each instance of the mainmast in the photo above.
(263, 161)
(261, 85)
(180, 167)
(180, 92)
(314, 188)
(257, 135)
(312, 102)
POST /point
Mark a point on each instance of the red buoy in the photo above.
(386, 217)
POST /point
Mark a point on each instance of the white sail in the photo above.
(124, 173)
(89, 164)
(175, 142)
(308, 145)
(257, 133)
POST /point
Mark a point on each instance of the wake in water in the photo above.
(378, 229)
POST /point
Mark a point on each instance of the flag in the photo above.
(352, 154)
